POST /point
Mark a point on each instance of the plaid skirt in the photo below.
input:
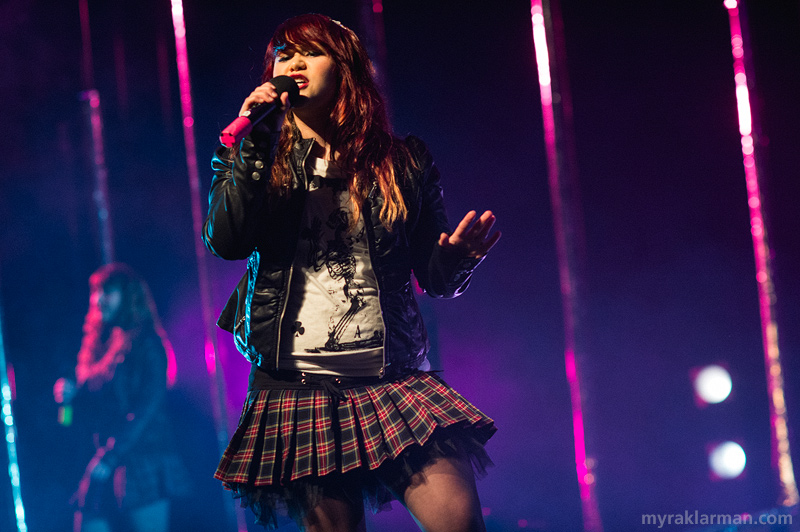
(295, 446)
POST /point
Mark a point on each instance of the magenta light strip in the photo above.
(213, 364)
(769, 328)
(87, 67)
(92, 97)
(586, 479)
(100, 194)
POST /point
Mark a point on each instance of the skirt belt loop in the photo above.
(261, 379)
(335, 393)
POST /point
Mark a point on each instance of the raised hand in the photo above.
(471, 239)
(267, 94)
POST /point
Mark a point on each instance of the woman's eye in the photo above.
(282, 58)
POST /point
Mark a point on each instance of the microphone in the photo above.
(239, 128)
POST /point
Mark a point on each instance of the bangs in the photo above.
(305, 33)
(300, 43)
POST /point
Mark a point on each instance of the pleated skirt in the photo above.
(292, 447)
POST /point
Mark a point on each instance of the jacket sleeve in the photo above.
(237, 196)
(440, 273)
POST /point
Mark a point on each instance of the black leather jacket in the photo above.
(246, 222)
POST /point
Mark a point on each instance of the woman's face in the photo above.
(108, 301)
(315, 74)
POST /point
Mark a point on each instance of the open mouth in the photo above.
(302, 81)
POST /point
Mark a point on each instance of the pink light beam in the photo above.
(766, 294)
(563, 220)
(213, 364)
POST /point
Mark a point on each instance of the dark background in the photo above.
(670, 283)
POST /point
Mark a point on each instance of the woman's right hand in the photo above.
(266, 94)
(64, 390)
(473, 242)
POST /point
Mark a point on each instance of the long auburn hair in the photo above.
(368, 152)
(105, 345)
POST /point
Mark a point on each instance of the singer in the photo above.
(120, 388)
(333, 213)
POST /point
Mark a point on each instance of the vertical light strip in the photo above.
(373, 35)
(10, 432)
(100, 193)
(87, 66)
(95, 116)
(586, 479)
(213, 365)
(766, 293)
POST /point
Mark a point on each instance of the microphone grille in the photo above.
(286, 84)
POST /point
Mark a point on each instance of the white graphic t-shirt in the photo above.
(332, 323)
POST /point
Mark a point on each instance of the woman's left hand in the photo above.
(473, 241)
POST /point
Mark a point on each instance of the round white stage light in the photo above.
(727, 460)
(713, 384)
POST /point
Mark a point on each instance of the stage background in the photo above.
(671, 283)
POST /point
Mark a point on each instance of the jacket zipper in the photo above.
(367, 214)
(288, 283)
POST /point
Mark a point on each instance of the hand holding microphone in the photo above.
(267, 100)
(64, 390)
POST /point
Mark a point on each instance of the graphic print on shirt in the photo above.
(330, 246)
